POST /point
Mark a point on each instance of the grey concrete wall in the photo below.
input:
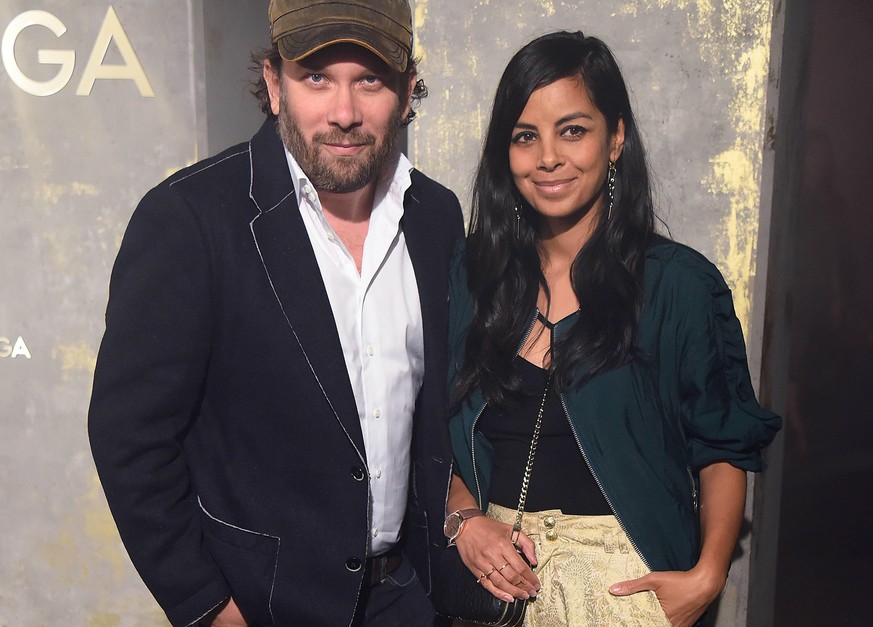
(79, 149)
(230, 30)
(73, 166)
(704, 84)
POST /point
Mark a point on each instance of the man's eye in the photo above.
(316, 78)
(371, 80)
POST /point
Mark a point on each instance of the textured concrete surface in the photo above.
(72, 168)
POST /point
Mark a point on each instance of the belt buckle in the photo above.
(382, 561)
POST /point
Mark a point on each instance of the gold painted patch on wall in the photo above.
(419, 21)
(75, 359)
(104, 619)
(734, 41)
(52, 193)
(100, 528)
(548, 7)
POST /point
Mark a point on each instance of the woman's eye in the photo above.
(525, 137)
(574, 131)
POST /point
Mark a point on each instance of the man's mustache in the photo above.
(353, 136)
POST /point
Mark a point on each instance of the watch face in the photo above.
(453, 525)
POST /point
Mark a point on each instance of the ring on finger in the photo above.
(500, 570)
(489, 573)
(520, 581)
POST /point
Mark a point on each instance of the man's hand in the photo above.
(227, 616)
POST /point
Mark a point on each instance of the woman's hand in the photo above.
(684, 595)
(486, 549)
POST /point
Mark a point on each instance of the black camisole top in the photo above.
(560, 478)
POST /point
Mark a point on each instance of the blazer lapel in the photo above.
(418, 230)
(293, 272)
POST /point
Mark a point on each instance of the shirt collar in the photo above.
(392, 184)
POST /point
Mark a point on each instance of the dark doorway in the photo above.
(825, 568)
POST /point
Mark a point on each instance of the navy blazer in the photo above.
(222, 421)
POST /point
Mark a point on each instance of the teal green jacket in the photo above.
(648, 427)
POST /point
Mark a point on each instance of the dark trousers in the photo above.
(399, 601)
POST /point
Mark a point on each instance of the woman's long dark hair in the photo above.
(503, 269)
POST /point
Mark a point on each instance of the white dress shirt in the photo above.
(378, 317)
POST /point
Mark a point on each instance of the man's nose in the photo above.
(344, 111)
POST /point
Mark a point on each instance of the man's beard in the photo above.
(335, 174)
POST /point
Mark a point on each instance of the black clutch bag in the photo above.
(457, 595)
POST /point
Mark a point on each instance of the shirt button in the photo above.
(370, 351)
(375, 532)
(377, 473)
(330, 237)
(377, 413)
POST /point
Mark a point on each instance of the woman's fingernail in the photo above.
(508, 598)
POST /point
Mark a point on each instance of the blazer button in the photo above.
(354, 564)
(357, 473)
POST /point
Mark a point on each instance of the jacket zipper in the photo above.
(478, 415)
(694, 495)
(600, 485)
(473, 450)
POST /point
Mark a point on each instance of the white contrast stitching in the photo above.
(206, 167)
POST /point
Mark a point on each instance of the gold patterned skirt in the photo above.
(579, 558)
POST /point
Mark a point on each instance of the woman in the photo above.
(568, 311)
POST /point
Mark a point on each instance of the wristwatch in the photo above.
(455, 522)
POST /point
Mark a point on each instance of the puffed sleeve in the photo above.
(721, 417)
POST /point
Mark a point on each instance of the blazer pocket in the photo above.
(248, 560)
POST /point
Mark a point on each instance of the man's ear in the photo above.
(272, 76)
(410, 87)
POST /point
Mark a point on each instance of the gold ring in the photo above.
(499, 570)
(519, 582)
(480, 578)
(489, 573)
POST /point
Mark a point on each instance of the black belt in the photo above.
(378, 568)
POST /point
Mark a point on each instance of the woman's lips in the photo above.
(553, 187)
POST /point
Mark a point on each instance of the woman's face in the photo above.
(559, 153)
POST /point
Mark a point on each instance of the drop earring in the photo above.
(610, 188)
(517, 221)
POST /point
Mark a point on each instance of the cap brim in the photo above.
(300, 44)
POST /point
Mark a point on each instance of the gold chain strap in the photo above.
(525, 482)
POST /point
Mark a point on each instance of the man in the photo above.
(269, 400)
